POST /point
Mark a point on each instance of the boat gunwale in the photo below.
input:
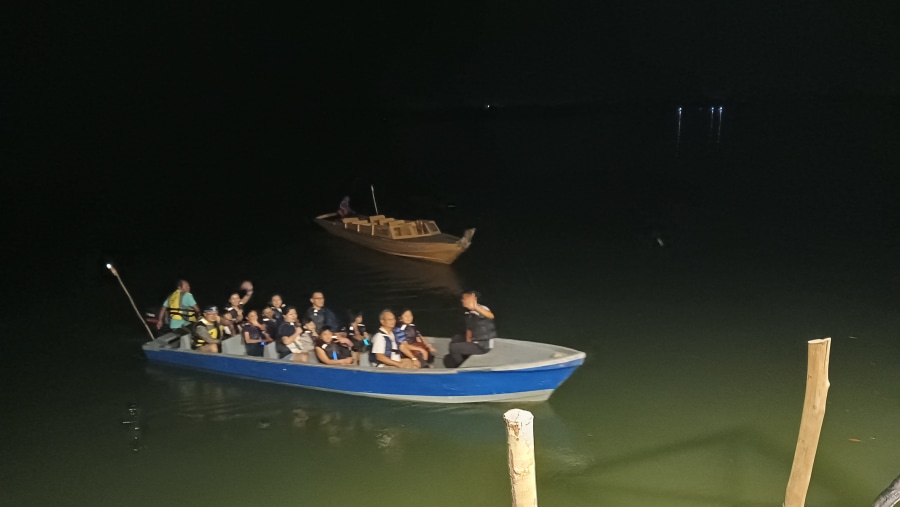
(561, 362)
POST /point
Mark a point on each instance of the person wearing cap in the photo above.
(179, 309)
(479, 331)
(207, 333)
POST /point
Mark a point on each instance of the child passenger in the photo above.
(331, 351)
(407, 331)
(356, 332)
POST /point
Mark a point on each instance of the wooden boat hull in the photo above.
(442, 248)
(515, 382)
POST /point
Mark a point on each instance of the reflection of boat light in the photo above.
(396, 271)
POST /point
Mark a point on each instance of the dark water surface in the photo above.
(691, 273)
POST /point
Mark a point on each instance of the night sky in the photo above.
(89, 89)
(112, 61)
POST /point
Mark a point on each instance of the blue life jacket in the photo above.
(391, 346)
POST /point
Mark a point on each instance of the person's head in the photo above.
(268, 312)
(252, 316)
(406, 316)
(355, 316)
(317, 299)
(387, 319)
(276, 300)
(470, 298)
(326, 335)
(234, 300)
(211, 313)
(183, 286)
(290, 314)
(308, 324)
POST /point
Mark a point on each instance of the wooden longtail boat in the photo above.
(513, 371)
(418, 239)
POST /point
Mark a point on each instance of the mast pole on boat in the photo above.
(373, 199)
(112, 269)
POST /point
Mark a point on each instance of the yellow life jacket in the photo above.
(177, 311)
(214, 329)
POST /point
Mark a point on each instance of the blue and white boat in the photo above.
(514, 371)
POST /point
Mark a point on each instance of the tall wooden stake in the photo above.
(520, 438)
(817, 383)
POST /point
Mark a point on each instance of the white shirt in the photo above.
(379, 344)
(303, 343)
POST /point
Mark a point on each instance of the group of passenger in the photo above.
(397, 343)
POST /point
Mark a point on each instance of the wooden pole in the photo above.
(818, 352)
(115, 273)
(520, 439)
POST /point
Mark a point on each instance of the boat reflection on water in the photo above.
(388, 270)
(390, 428)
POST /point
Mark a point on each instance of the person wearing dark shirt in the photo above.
(479, 332)
(407, 331)
(278, 306)
(255, 334)
(323, 317)
(292, 339)
(268, 320)
(356, 332)
(330, 351)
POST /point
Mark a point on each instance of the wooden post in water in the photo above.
(520, 439)
(818, 352)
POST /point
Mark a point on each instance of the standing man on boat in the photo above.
(479, 335)
(179, 309)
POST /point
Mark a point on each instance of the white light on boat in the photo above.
(108, 266)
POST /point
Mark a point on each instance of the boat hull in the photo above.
(442, 248)
(510, 383)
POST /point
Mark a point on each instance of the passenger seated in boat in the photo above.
(330, 351)
(407, 332)
(291, 336)
(278, 306)
(356, 332)
(323, 317)
(255, 334)
(207, 333)
(386, 350)
(479, 334)
(268, 319)
(233, 316)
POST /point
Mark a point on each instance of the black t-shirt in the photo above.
(333, 350)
